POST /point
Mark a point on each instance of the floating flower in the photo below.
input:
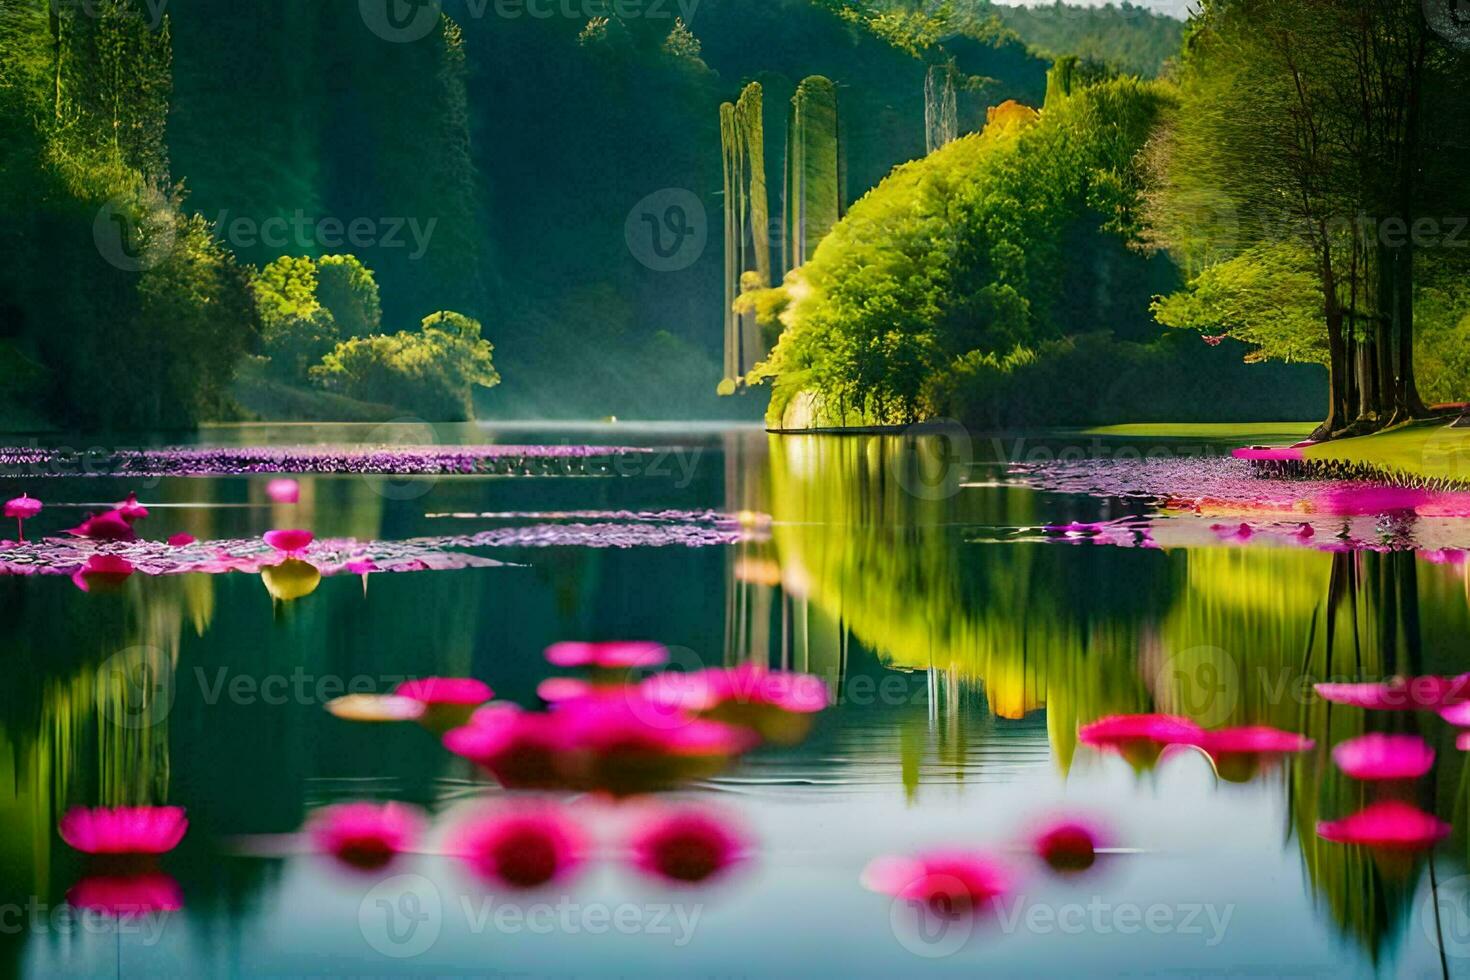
(22, 509)
(130, 510)
(946, 882)
(291, 579)
(778, 705)
(102, 572)
(289, 540)
(1140, 738)
(448, 701)
(561, 690)
(524, 846)
(124, 829)
(521, 749)
(1457, 714)
(1239, 753)
(633, 746)
(366, 835)
(1068, 845)
(1379, 756)
(607, 656)
(107, 526)
(124, 896)
(1400, 693)
(181, 540)
(375, 708)
(687, 846)
(1391, 824)
(1462, 741)
(283, 491)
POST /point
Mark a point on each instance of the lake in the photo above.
(966, 620)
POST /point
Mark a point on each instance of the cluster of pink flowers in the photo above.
(1238, 754)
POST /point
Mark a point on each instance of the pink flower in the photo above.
(1392, 825)
(289, 541)
(107, 526)
(523, 846)
(519, 748)
(124, 829)
(1140, 738)
(283, 491)
(1239, 753)
(1384, 757)
(22, 509)
(946, 882)
(366, 835)
(633, 746)
(687, 845)
(1457, 714)
(130, 510)
(180, 540)
(778, 705)
(1400, 693)
(1068, 845)
(102, 572)
(124, 896)
(1462, 741)
(607, 656)
(459, 691)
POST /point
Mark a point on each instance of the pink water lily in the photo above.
(102, 572)
(1068, 845)
(523, 846)
(461, 691)
(1240, 753)
(1462, 741)
(125, 896)
(181, 540)
(778, 705)
(687, 845)
(283, 491)
(1400, 693)
(621, 655)
(946, 882)
(106, 526)
(633, 746)
(366, 835)
(130, 510)
(561, 690)
(1457, 714)
(1140, 738)
(291, 541)
(521, 749)
(22, 509)
(1391, 825)
(124, 829)
(1376, 756)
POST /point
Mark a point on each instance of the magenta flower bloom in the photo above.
(130, 510)
(459, 691)
(1462, 741)
(607, 656)
(778, 705)
(1376, 756)
(1400, 693)
(106, 526)
(283, 491)
(521, 749)
(561, 690)
(366, 835)
(1457, 714)
(633, 746)
(124, 896)
(947, 882)
(1140, 738)
(124, 829)
(1391, 825)
(180, 540)
(22, 509)
(290, 541)
(523, 846)
(1068, 845)
(102, 572)
(1240, 753)
(687, 846)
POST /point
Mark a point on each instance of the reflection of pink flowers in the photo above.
(130, 510)
(523, 846)
(632, 746)
(1239, 753)
(105, 571)
(946, 882)
(1391, 824)
(1457, 714)
(365, 835)
(291, 541)
(519, 748)
(124, 829)
(620, 655)
(283, 491)
(107, 526)
(1400, 693)
(1379, 756)
(774, 703)
(1068, 845)
(181, 540)
(1139, 738)
(459, 691)
(123, 896)
(687, 845)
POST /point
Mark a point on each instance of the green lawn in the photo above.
(1246, 433)
(1427, 449)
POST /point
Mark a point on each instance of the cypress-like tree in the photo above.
(813, 169)
(747, 227)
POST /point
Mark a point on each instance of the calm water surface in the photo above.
(963, 646)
